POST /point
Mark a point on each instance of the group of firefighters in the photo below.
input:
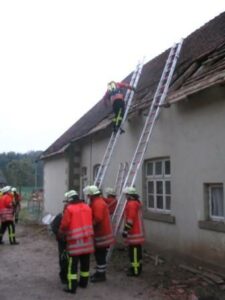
(85, 228)
(9, 213)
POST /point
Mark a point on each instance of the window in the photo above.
(157, 174)
(215, 201)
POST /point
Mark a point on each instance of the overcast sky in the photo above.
(56, 57)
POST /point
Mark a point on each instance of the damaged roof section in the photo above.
(201, 63)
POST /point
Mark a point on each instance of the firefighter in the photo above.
(17, 201)
(103, 234)
(76, 225)
(111, 199)
(115, 95)
(133, 232)
(7, 215)
(63, 256)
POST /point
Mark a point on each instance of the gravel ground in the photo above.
(29, 271)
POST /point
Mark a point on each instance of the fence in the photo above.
(32, 203)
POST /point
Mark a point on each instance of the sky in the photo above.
(57, 56)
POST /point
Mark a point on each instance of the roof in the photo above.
(201, 61)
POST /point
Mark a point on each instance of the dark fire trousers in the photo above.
(11, 231)
(118, 109)
(100, 257)
(72, 273)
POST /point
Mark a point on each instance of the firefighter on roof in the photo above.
(115, 95)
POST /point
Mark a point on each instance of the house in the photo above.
(182, 178)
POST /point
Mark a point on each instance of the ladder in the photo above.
(114, 137)
(122, 172)
(156, 105)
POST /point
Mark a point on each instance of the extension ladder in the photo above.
(114, 137)
(156, 105)
(121, 175)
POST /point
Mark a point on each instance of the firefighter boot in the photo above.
(69, 291)
(98, 277)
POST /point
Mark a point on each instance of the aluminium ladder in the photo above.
(114, 137)
(121, 175)
(157, 102)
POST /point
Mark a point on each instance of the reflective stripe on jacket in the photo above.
(133, 216)
(6, 208)
(77, 225)
(103, 234)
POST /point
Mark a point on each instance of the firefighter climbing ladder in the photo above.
(123, 168)
(114, 137)
(157, 103)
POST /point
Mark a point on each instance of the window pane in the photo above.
(168, 189)
(150, 187)
(159, 202)
(217, 201)
(151, 201)
(167, 167)
(159, 187)
(149, 168)
(158, 168)
(168, 202)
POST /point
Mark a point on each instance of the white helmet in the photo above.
(68, 195)
(111, 86)
(13, 189)
(91, 190)
(110, 191)
(6, 189)
(130, 190)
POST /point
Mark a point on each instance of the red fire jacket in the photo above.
(111, 203)
(6, 208)
(133, 218)
(103, 234)
(76, 224)
(118, 94)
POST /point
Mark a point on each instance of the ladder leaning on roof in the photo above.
(157, 103)
(121, 175)
(114, 137)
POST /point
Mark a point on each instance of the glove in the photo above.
(124, 234)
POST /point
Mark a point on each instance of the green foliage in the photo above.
(22, 169)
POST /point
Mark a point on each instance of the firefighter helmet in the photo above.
(6, 189)
(130, 190)
(110, 191)
(91, 190)
(70, 194)
(111, 86)
(13, 189)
